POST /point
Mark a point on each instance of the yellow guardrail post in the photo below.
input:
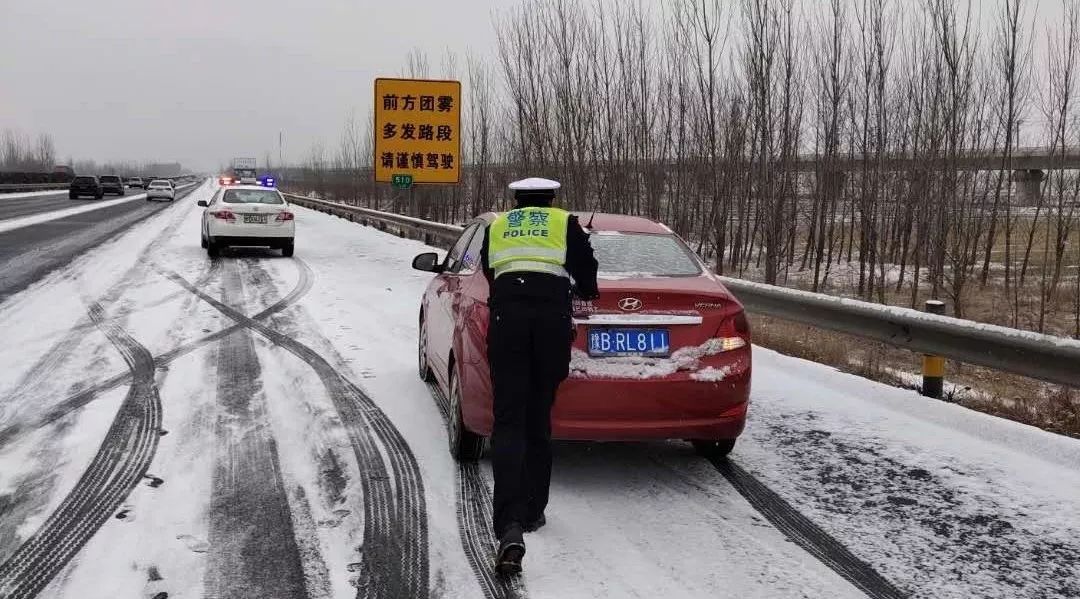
(933, 367)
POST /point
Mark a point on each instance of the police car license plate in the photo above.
(608, 342)
(254, 219)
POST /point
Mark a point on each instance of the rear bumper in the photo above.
(673, 407)
(154, 195)
(270, 241)
(709, 429)
(219, 229)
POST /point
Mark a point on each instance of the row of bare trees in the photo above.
(20, 152)
(830, 144)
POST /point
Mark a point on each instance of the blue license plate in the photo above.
(607, 342)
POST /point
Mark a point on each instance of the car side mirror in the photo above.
(427, 262)
(203, 203)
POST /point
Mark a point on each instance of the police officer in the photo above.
(531, 255)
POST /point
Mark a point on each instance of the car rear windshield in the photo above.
(110, 179)
(642, 255)
(160, 184)
(251, 196)
(83, 180)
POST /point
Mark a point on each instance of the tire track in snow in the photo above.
(119, 464)
(260, 289)
(253, 552)
(394, 562)
(806, 534)
(474, 517)
(84, 397)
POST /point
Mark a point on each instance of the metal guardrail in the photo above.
(17, 187)
(1045, 357)
(367, 216)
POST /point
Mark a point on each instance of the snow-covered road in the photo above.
(255, 427)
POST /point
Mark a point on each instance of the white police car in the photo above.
(247, 215)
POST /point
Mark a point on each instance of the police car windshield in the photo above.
(642, 255)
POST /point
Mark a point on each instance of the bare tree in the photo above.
(1010, 55)
(1059, 110)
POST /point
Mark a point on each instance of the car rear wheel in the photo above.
(426, 374)
(288, 249)
(465, 445)
(212, 249)
(73, 196)
(719, 448)
(100, 195)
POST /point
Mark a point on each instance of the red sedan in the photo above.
(664, 353)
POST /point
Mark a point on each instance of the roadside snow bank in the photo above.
(944, 501)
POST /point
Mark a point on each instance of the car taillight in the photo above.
(224, 214)
(734, 333)
(284, 215)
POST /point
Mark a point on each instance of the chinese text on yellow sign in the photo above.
(417, 130)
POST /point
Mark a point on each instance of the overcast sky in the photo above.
(200, 81)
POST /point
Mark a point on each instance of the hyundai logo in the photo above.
(629, 304)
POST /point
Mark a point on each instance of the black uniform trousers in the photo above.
(529, 353)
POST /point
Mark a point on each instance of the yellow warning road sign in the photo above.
(418, 130)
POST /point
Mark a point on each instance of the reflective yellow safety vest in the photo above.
(529, 240)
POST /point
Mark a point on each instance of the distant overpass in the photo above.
(1023, 159)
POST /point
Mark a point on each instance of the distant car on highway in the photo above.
(247, 215)
(112, 184)
(135, 182)
(160, 189)
(664, 353)
(85, 185)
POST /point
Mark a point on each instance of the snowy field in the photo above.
(255, 427)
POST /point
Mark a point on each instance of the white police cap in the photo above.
(535, 184)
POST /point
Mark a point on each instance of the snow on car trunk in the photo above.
(654, 327)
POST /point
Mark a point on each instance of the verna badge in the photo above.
(629, 304)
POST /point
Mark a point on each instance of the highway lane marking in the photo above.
(32, 194)
(26, 221)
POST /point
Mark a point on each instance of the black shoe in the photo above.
(535, 525)
(511, 550)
